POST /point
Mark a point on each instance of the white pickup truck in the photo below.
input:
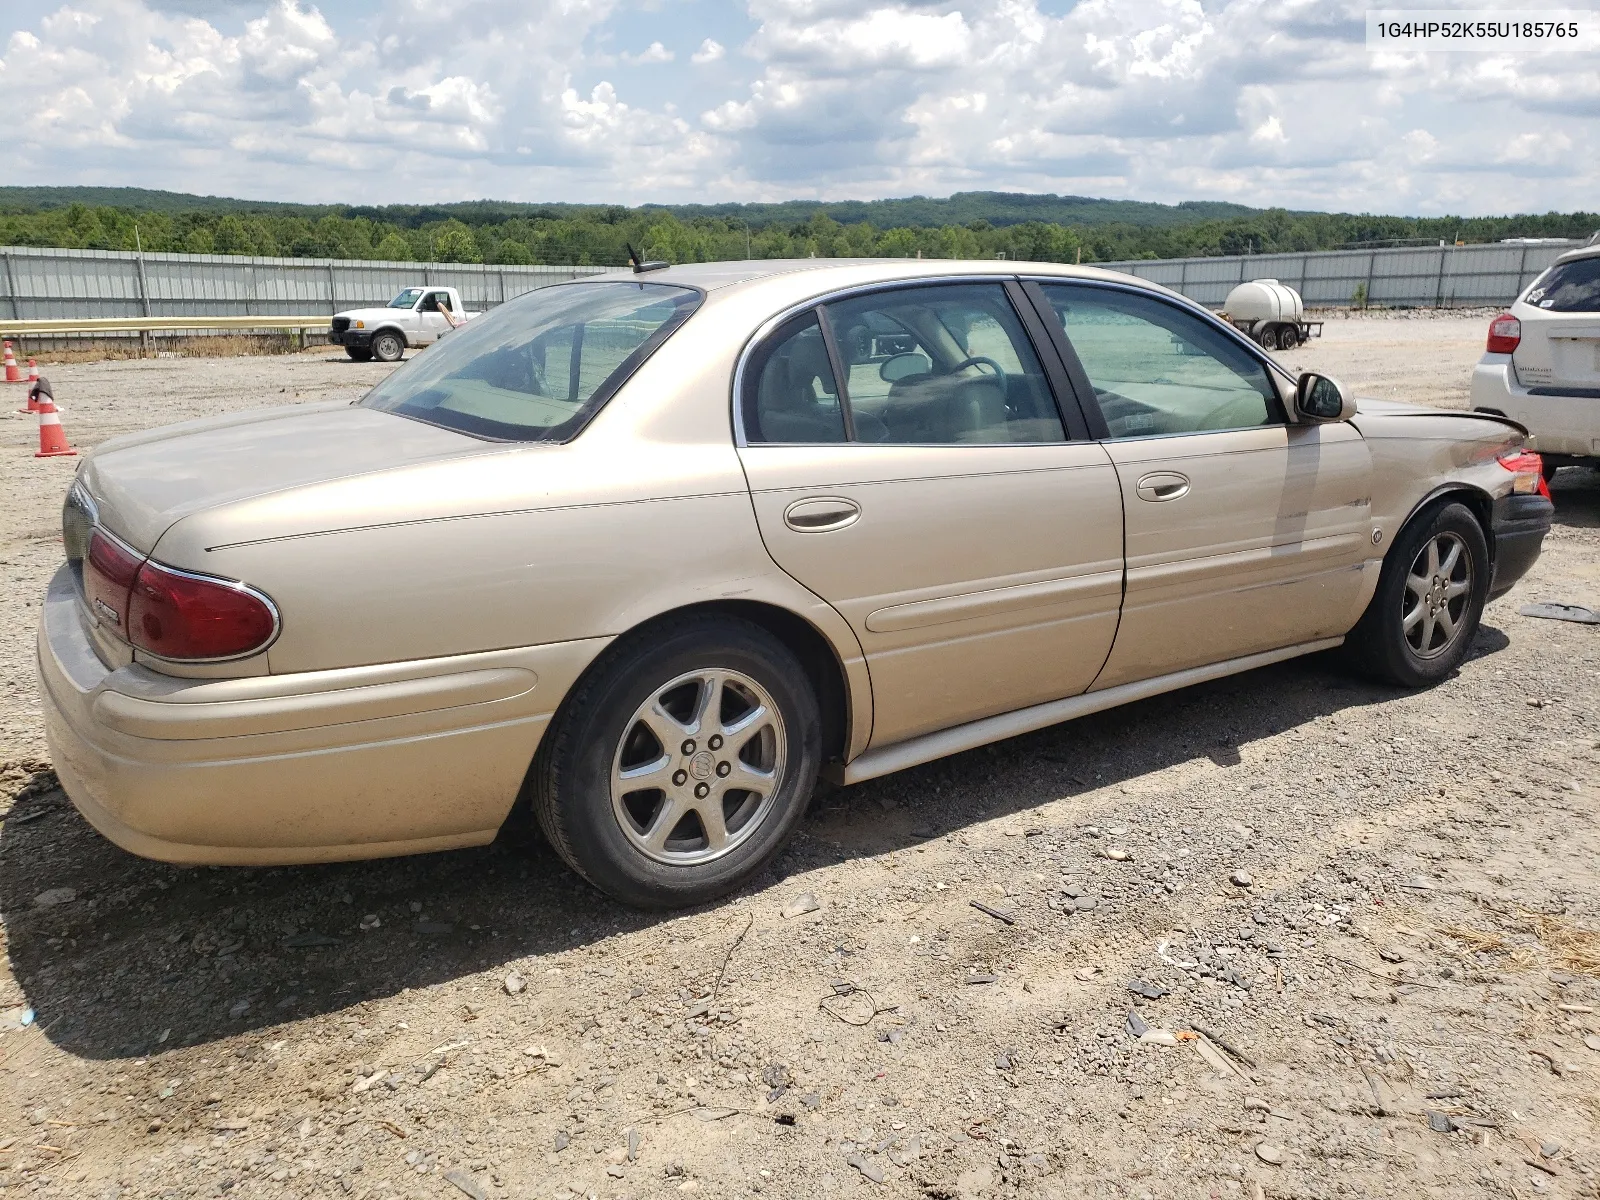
(415, 317)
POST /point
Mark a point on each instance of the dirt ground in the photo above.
(1379, 907)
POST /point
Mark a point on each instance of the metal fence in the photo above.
(39, 282)
(1421, 277)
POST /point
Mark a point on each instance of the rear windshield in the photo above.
(1568, 287)
(538, 367)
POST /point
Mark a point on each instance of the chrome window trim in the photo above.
(770, 325)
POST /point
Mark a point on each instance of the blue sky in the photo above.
(1258, 101)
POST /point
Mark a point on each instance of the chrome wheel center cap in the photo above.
(703, 765)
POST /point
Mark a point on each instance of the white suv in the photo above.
(1542, 366)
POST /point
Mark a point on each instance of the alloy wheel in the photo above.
(698, 766)
(1437, 595)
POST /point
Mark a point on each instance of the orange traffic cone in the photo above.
(33, 388)
(13, 372)
(52, 438)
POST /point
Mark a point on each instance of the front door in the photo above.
(908, 464)
(432, 322)
(1244, 533)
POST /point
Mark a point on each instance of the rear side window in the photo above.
(1568, 287)
(942, 364)
(929, 364)
(795, 399)
(538, 367)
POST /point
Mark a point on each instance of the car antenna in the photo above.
(639, 265)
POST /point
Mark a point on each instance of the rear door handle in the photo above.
(821, 514)
(1163, 485)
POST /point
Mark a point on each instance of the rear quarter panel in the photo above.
(1416, 456)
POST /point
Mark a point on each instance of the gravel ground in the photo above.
(1379, 906)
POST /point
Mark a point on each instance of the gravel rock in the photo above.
(867, 1167)
(1269, 1153)
(466, 1183)
(804, 903)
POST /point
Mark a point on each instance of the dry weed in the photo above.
(1573, 946)
(1563, 942)
(214, 346)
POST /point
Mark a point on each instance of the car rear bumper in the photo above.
(1560, 424)
(314, 767)
(1519, 523)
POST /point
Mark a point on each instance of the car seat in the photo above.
(788, 406)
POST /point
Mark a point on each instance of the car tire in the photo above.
(1429, 601)
(388, 346)
(359, 353)
(637, 816)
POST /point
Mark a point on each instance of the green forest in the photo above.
(966, 225)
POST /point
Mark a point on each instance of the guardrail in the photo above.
(39, 326)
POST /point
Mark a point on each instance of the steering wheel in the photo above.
(982, 360)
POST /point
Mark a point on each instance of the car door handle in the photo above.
(821, 514)
(1163, 485)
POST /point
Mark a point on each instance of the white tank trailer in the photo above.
(1272, 313)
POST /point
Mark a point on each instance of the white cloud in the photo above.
(654, 53)
(710, 51)
(1261, 101)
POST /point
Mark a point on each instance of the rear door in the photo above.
(908, 463)
(1559, 353)
(1244, 533)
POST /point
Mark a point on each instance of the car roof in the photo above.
(1589, 251)
(712, 276)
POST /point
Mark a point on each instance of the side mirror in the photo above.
(1320, 398)
(903, 366)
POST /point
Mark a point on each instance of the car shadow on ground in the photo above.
(1576, 492)
(140, 956)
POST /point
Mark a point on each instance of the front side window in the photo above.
(537, 367)
(1157, 370)
(406, 298)
(1568, 287)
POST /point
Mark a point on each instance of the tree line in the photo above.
(482, 232)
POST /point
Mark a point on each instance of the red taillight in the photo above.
(1528, 468)
(183, 616)
(109, 569)
(1505, 333)
(173, 613)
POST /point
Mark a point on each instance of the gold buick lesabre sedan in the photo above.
(650, 553)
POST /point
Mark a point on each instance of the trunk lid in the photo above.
(143, 483)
